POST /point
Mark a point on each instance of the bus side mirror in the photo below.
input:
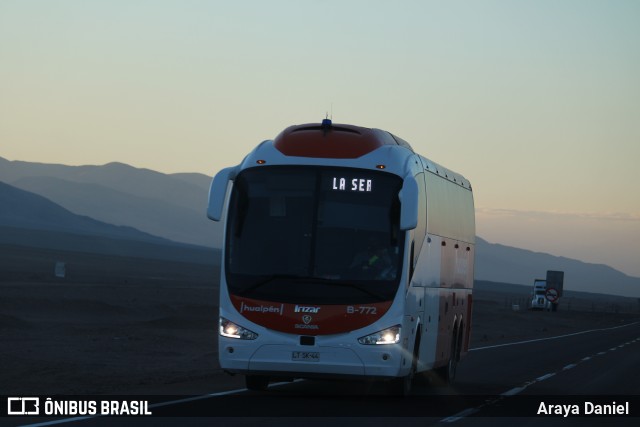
(409, 204)
(218, 192)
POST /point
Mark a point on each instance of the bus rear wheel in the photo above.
(446, 374)
(257, 382)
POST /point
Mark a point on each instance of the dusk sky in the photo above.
(537, 102)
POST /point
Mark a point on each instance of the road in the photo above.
(493, 382)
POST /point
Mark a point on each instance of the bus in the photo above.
(345, 255)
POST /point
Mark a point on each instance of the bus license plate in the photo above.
(306, 356)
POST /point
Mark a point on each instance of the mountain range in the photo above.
(119, 201)
(169, 206)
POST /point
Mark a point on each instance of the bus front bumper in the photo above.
(312, 361)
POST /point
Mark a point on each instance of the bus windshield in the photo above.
(314, 235)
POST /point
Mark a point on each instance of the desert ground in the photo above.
(119, 325)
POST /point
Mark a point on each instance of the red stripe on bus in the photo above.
(309, 319)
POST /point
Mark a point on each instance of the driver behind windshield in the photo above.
(374, 262)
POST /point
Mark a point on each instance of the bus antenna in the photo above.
(326, 123)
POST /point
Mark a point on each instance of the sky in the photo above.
(537, 102)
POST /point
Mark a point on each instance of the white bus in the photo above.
(346, 255)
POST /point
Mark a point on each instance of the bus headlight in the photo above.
(386, 336)
(231, 330)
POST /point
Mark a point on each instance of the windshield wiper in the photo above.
(316, 280)
(347, 284)
(270, 279)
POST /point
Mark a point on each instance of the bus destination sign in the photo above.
(356, 184)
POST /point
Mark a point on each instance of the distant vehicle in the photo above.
(546, 292)
(539, 299)
(346, 255)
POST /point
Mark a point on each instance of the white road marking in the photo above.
(551, 338)
(65, 420)
(513, 391)
(460, 415)
(544, 377)
(570, 366)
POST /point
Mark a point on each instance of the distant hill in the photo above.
(172, 206)
(197, 179)
(152, 215)
(61, 243)
(500, 263)
(183, 189)
(28, 220)
(22, 209)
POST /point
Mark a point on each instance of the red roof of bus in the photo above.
(331, 141)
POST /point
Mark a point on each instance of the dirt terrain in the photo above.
(155, 330)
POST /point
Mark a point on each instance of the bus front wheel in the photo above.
(402, 386)
(257, 382)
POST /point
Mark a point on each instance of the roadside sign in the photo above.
(552, 294)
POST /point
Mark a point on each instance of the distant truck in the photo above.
(539, 299)
(547, 292)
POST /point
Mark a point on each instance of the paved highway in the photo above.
(599, 366)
